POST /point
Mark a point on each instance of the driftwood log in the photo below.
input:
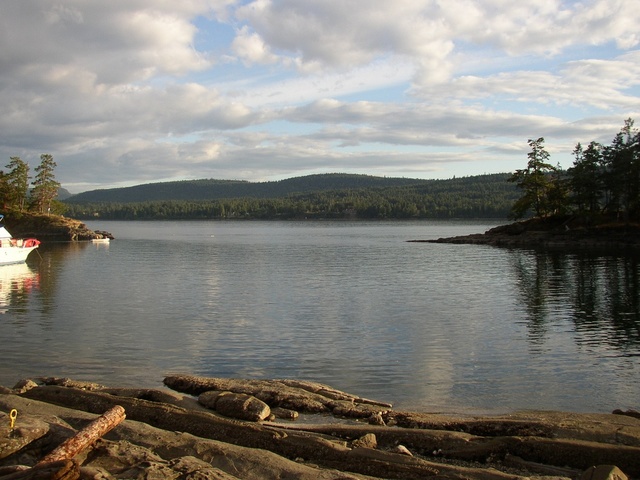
(177, 429)
(85, 437)
(59, 464)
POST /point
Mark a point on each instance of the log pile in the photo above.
(231, 430)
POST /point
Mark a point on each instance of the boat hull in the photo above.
(10, 255)
(15, 250)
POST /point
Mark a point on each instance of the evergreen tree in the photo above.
(16, 183)
(4, 191)
(622, 161)
(558, 192)
(586, 178)
(536, 182)
(45, 186)
(616, 166)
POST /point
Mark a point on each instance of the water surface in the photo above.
(431, 327)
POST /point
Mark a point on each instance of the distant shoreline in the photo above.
(553, 232)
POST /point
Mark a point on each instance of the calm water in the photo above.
(430, 327)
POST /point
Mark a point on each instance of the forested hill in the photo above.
(314, 196)
(210, 189)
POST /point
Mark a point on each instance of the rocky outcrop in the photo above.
(169, 435)
(556, 232)
(300, 396)
(51, 228)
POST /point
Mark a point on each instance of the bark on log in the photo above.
(85, 437)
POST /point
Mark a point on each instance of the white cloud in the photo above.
(251, 48)
(276, 92)
(127, 91)
(343, 34)
(113, 43)
(603, 84)
(543, 26)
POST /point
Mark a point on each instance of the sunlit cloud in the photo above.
(132, 92)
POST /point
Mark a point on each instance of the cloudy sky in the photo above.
(124, 92)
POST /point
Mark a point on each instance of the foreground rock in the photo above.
(169, 435)
(556, 232)
(300, 396)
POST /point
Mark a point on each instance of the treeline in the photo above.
(484, 196)
(604, 181)
(212, 189)
(18, 193)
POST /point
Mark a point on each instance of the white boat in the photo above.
(15, 250)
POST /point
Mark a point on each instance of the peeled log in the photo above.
(85, 437)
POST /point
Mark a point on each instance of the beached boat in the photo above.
(14, 250)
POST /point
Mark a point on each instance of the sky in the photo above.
(127, 92)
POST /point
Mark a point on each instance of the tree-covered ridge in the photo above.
(211, 189)
(327, 196)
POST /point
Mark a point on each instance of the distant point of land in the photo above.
(555, 232)
(47, 228)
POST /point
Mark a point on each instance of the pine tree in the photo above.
(45, 186)
(16, 183)
(622, 161)
(586, 178)
(536, 181)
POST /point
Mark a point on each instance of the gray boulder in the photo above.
(235, 405)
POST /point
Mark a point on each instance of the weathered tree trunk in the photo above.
(85, 437)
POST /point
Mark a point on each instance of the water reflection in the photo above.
(600, 294)
(425, 326)
(17, 282)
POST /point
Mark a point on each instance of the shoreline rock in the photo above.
(52, 228)
(554, 232)
(171, 435)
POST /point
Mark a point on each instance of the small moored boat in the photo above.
(14, 250)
